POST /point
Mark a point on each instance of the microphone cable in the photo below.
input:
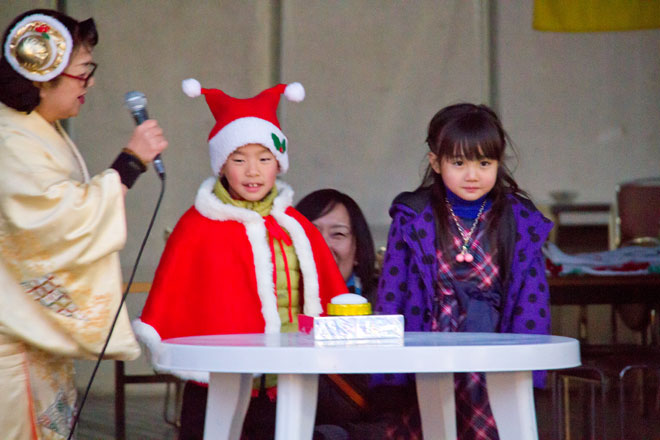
(121, 303)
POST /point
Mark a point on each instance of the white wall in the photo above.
(376, 72)
(222, 44)
(12, 8)
(583, 111)
(582, 107)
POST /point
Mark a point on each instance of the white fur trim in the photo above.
(302, 247)
(208, 204)
(61, 29)
(191, 87)
(212, 208)
(243, 131)
(306, 260)
(148, 336)
(294, 92)
(284, 197)
(263, 270)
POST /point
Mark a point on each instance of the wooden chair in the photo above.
(638, 211)
(122, 379)
(637, 223)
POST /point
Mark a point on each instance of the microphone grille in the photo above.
(135, 100)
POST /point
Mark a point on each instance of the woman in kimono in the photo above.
(60, 228)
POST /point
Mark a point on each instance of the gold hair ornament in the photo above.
(38, 47)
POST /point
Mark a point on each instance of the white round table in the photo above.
(507, 360)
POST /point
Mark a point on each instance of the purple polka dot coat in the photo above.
(409, 275)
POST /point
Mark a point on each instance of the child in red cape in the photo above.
(242, 259)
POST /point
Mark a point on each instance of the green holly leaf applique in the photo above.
(280, 145)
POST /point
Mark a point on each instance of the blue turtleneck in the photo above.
(466, 209)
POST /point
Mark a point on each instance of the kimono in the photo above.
(60, 277)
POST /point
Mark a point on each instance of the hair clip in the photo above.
(38, 47)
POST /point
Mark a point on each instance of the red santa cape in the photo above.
(216, 274)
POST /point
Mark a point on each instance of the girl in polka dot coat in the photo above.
(464, 251)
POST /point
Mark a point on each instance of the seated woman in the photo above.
(342, 398)
(347, 234)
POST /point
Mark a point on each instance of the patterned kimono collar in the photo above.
(261, 207)
(464, 208)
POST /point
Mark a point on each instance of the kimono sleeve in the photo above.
(60, 238)
(54, 221)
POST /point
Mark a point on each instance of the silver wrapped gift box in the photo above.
(352, 327)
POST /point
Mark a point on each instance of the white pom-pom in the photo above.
(191, 87)
(294, 92)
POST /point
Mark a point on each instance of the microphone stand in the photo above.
(121, 303)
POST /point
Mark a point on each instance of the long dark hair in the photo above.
(319, 203)
(472, 132)
(20, 93)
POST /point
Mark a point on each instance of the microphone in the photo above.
(136, 103)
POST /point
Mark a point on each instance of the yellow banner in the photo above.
(596, 15)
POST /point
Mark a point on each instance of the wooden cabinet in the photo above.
(581, 227)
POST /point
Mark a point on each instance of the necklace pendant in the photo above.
(464, 255)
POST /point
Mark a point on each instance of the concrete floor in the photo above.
(144, 417)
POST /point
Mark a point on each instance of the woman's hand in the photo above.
(147, 141)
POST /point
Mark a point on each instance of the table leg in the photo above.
(511, 396)
(437, 405)
(296, 406)
(226, 405)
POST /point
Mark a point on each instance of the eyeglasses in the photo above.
(84, 78)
